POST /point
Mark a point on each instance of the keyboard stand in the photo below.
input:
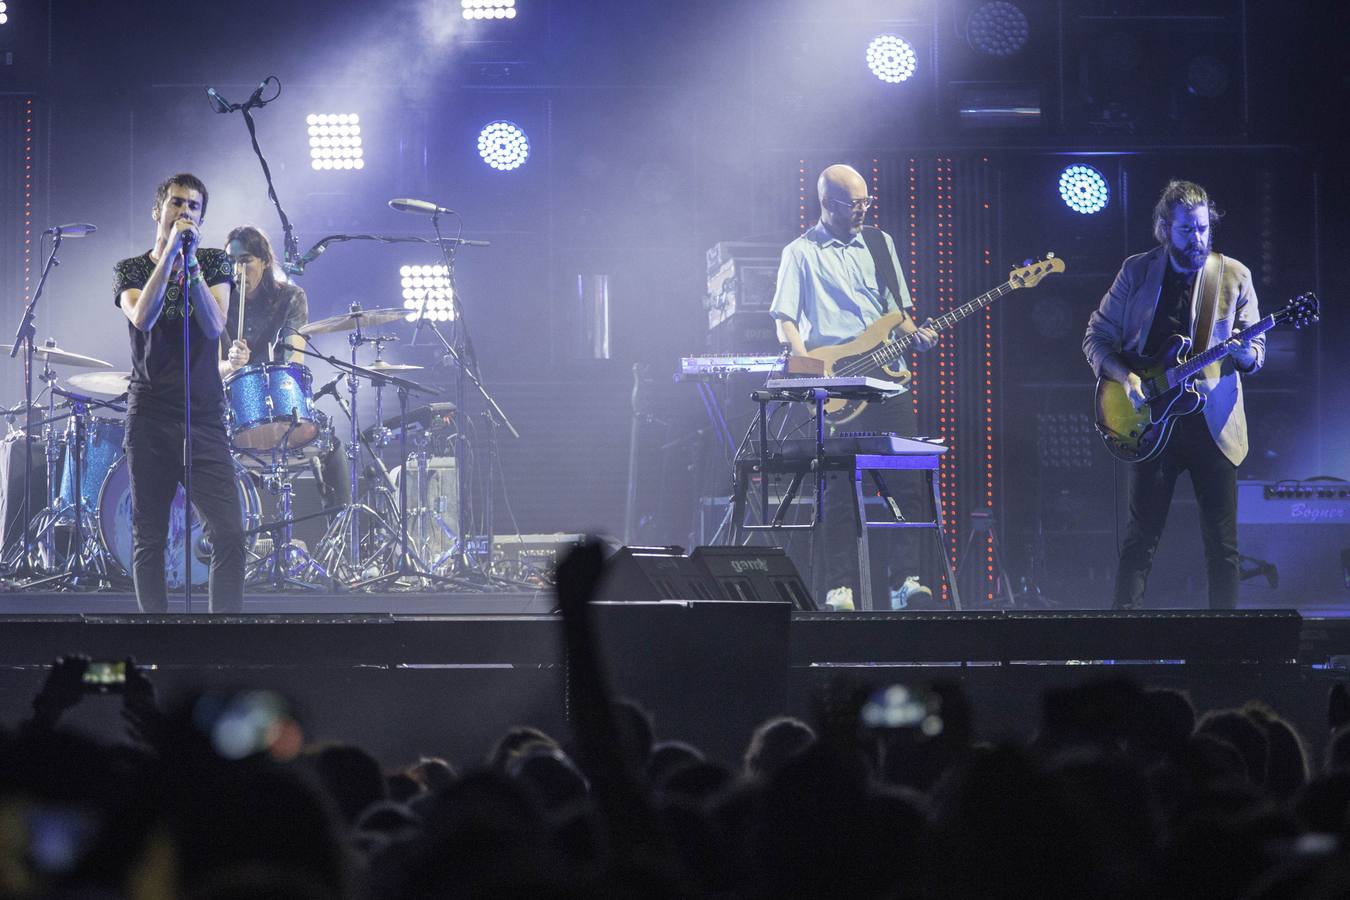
(873, 464)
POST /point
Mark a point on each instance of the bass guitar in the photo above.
(1134, 434)
(875, 349)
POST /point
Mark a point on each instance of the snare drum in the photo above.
(101, 451)
(114, 525)
(263, 400)
(296, 458)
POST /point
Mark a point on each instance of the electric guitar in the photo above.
(1134, 434)
(874, 350)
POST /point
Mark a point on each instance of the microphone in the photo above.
(297, 267)
(418, 206)
(78, 229)
(329, 388)
(219, 103)
(255, 100)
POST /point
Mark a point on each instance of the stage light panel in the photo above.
(488, 9)
(335, 141)
(431, 283)
(998, 29)
(4, 12)
(891, 58)
(1083, 189)
(503, 145)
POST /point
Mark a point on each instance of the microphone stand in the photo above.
(24, 336)
(187, 434)
(466, 371)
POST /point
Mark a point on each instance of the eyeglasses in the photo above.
(862, 204)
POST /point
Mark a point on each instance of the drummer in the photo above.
(274, 310)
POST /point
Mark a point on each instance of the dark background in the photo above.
(659, 129)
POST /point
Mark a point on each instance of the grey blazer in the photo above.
(1123, 319)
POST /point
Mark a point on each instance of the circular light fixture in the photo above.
(997, 29)
(1083, 189)
(891, 58)
(503, 145)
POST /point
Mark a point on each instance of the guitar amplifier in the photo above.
(740, 285)
(1294, 537)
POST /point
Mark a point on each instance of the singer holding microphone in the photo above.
(150, 289)
(274, 310)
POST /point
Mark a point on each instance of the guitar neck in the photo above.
(892, 350)
(1217, 352)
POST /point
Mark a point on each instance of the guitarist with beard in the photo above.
(834, 280)
(1181, 287)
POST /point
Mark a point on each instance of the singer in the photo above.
(274, 309)
(150, 291)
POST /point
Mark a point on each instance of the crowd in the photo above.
(1119, 791)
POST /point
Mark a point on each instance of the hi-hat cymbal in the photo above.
(58, 357)
(364, 318)
(380, 365)
(109, 384)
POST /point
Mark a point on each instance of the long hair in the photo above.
(1187, 195)
(256, 242)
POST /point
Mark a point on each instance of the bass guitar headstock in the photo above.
(1031, 273)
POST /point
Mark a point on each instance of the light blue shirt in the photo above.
(830, 290)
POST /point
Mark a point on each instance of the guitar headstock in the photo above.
(1302, 310)
(1031, 273)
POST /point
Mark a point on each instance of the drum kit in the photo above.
(379, 537)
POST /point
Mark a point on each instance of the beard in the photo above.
(1188, 259)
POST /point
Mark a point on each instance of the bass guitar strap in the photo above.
(885, 266)
(1207, 289)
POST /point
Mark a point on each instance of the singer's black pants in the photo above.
(154, 459)
(1151, 484)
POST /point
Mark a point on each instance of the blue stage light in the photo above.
(429, 285)
(335, 141)
(891, 58)
(1084, 189)
(503, 145)
(488, 9)
(997, 29)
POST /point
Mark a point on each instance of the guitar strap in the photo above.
(1211, 279)
(881, 258)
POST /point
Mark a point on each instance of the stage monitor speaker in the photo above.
(756, 573)
(657, 573)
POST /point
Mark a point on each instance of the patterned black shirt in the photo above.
(157, 355)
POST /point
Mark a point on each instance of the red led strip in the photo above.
(946, 375)
(27, 196)
(987, 396)
(802, 198)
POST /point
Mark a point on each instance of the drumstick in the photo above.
(242, 284)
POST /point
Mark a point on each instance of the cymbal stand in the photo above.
(409, 566)
(84, 543)
(23, 338)
(343, 537)
(288, 564)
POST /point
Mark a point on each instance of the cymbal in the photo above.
(109, 384)
(380, 365)
(56, 356)
(364, 318)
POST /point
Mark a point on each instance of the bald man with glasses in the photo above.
(834, 281)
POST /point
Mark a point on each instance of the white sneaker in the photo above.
(840, 598)
(909, 592)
